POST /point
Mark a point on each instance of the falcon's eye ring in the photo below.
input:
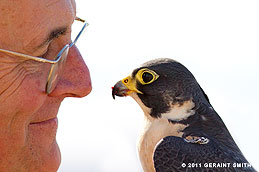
(146, 76)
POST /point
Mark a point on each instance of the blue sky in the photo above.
(216, 40)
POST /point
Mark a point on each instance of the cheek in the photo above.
(21, 89)
(31, 93)
(19, 101)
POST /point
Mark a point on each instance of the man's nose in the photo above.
(75, 80)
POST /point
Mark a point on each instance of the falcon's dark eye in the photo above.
(147, 77)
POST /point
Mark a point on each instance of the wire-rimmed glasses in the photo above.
(57, 64)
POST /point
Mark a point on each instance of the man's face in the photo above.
(28, 120)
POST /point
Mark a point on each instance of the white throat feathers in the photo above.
(180, 112)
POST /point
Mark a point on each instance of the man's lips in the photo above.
(43, 122)
(43, 133)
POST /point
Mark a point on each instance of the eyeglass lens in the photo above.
(56, 70)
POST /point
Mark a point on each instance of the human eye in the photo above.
(54, 46)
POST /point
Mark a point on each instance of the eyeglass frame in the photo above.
(57, 57)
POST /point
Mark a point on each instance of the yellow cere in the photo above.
(131, 85)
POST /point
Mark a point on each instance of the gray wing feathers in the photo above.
(172, 152)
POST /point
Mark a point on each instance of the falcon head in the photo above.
(163, 88)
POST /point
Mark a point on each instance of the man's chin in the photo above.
(54, 159)
(49, 159)
(45, 154)
(32, 157)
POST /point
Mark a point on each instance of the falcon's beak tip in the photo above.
(120, 90)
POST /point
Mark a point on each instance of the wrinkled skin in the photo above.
(27, 139)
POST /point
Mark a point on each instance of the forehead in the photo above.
(24, 20)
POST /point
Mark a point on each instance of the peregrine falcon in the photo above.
(182, 130)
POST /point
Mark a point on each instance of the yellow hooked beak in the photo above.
(125, 87)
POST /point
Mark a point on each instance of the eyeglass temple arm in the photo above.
(27, 56)
(42, 59)
(85, 25)
(79, 19)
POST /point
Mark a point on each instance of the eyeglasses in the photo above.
(57, 64)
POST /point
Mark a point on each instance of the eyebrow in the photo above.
(52, 35)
